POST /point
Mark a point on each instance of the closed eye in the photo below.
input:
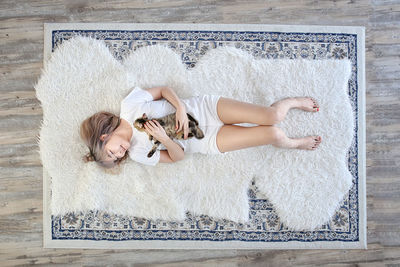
(116, 158)
(111, 154)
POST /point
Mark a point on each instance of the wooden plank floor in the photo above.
(21, 52)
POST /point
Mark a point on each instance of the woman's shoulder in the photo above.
(137, 95)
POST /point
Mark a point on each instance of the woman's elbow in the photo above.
(179, 158)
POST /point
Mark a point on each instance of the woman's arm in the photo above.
(164, 157)
(154, 128)
(172, 98)
(167, 93)
(181, 119)
(174, 151)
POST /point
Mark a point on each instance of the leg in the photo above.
(231, 111)
(235, 137)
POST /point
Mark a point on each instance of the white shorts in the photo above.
(204, 110)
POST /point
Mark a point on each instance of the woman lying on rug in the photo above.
(112, 138)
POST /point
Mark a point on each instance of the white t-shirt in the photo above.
(140, 101)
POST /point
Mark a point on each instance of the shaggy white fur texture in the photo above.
(305, 187)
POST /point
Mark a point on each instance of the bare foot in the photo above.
(306, 103)
(309, 143)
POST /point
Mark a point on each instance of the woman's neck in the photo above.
(126, 129)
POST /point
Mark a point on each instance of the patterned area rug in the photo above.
(347, 229)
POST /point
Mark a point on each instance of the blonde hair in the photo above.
(91, 129)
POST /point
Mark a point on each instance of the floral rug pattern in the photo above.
(264, 225)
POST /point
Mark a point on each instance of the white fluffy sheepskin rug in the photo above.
(305, 187)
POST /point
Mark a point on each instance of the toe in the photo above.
(315, 102)
(317, 140)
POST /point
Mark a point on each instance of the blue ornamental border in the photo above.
(218, 38)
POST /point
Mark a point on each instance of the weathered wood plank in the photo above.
(21, 55)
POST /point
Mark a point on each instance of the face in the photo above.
(116, 147)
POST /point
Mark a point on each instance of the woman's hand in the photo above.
(182, 121)
(154, 128)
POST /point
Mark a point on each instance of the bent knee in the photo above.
(277, 135)
(279, 115)
(275, 115)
